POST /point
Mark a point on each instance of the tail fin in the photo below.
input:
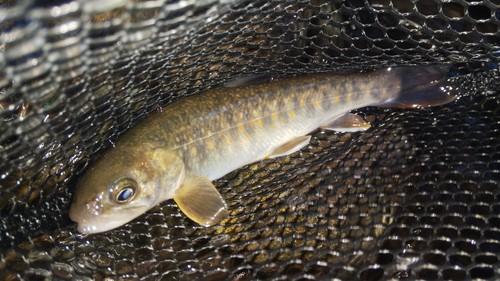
(422, 86)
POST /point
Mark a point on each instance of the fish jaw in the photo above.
(90, 222)
(90, 227)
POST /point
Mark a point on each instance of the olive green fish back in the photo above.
(414, 197)
(211, 128)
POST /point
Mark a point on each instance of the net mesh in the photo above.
(414, 197)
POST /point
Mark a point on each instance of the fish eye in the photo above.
(126, 190)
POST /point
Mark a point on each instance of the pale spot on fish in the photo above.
(292, 114)
(316, 104)
(348, 90)
(193, 151)
(228, 139)
(241, 128)
(260, 123)
(210, 145)
(302, 102)
(274, 116)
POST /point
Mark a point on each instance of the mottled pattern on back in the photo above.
(242, 122)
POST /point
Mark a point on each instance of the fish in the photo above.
(177, 152)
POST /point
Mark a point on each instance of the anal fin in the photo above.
(289, 147)
(200, 201)
(347, 123)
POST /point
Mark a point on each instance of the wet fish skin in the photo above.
(217, 125)
(178, 151)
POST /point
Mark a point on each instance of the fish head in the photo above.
(122, 185)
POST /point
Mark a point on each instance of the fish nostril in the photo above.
(94, 206)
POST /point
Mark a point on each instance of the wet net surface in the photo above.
(415, 197)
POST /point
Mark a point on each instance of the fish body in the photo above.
(177, 152)
(222, 130)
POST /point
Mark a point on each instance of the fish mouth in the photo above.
(96, 224)
(88, 227)
(89, 223)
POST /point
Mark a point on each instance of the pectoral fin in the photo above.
(347, 123)
(199, 200)
(289, 147)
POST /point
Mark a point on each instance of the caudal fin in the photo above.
(422, 86)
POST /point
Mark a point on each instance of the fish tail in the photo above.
(422, 86)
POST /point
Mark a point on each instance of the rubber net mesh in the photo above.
(415, 197)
